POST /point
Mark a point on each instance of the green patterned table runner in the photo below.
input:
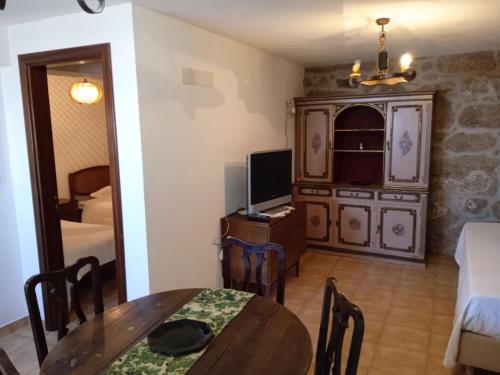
(216, 307)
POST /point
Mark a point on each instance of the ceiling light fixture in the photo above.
(83, 4)
(84, 92)
(382, 75)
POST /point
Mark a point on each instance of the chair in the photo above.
(329, 350)
(6, 366)
(56, 281)
(260, 253)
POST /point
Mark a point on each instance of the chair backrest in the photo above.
(56, 285)
(260, 251)
(332, 331)
(6, 366)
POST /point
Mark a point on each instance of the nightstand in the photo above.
(68, 210)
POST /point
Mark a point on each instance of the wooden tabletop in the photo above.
(264, 338)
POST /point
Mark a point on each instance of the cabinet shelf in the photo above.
(358, 150)
(358, 130)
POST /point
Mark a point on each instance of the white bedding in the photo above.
(478, 297)
(82, 240)
(97, 211)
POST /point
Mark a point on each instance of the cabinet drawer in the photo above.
(396, 196)
(288, 224)
(355, 194)
(320, 192)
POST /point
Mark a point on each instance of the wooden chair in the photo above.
(260, 251)
(6, 366)
(331, 336)
(56, 281)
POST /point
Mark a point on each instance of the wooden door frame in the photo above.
(27, 63)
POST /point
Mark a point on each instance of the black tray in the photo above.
(180, 337)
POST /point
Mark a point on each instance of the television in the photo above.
(269, 179)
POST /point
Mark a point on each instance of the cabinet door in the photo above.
(354, 226)
(314, 154)
(399, 230)
(408, 144)
(318, 222)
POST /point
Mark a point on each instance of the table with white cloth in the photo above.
(475, 338)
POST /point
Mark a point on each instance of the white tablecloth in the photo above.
(478, 296)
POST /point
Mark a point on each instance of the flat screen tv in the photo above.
(269, 179)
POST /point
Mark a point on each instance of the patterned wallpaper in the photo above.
(78, 130)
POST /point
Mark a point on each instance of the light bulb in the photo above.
(356, 68)
(405, 61)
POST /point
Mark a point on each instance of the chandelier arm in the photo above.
(88, 9)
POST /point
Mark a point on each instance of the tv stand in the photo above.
(288, 231)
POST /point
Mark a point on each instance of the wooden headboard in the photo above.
(88, 180)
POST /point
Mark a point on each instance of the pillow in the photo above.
(102, 193)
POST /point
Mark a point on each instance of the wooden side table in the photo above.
(288, 231)
(68, 210)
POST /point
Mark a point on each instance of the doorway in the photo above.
(95, 181)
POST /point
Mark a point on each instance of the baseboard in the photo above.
(13, 326)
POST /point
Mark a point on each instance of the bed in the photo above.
(475, 338)
(82, 240)
(91, 188)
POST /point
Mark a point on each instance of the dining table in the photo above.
(263, 338)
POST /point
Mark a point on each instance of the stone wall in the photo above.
(465, 162)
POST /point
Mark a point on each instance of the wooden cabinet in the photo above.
(318, 222)
(314, 142)
(289, 231)
(407, 144)
(362, 169)
(398, 229)
(354, 225)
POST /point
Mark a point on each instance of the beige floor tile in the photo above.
(409, 319)
(446, 279)
(373, 330)
(311, 317)
(352, 265)
(381, 282)
(442, 324)
(316, 270)
(365, 360)
(373, 311)
(438, 344)
(384, 269)
(372, 295)
(295, 308)
(405, 338)
(347, 276)
(445, 292)
(435, 367)
(298, 296)
(393, 361)
(411, 302)
(444, 307)
(419, 289)
(417, 275)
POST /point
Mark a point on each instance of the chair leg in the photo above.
(297, 268)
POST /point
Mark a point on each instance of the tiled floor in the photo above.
(408, 311)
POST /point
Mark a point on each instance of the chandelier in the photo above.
(83, 4)
(382, 75)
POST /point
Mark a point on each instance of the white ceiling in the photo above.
(319, 32)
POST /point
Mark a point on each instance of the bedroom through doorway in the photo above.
(70, 123)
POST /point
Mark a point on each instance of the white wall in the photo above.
(79, 131)
(195, 139)
(12, 305)
(114, 25)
